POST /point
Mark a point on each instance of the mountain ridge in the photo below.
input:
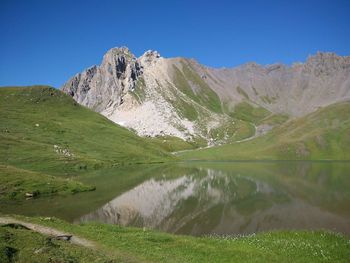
(157, 96)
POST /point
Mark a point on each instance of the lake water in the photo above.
(199, 198)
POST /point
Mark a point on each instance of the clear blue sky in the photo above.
(47, 42)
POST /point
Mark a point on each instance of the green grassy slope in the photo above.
(246, 112)
(42, 129)
(44, 132)
(324, 134)
(203, 94)
(16, 183)
(137, 245)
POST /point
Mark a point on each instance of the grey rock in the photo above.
(103, 86)
(149, 57)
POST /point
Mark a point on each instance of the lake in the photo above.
(202, 198)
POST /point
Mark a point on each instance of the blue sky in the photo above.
(47, 42)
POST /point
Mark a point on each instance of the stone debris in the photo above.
(62, 151)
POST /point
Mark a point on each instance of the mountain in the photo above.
(157, 96)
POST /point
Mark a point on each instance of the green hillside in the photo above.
(205, 96)
(16, 183)
(324, 134)
(44, 130)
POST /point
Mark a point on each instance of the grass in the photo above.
(42, 129)
(324, 134)
(143, 245)
(185, 109)
(173, 144)
(274, 119)
(245, 111)
(139, 92)
(233, 130)
(45, 133)
(18, 244)
(205, 95)
(192, 85)
(15, 183)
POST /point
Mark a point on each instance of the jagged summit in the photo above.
(330, 56)
(119, 51)
(149, 57)
(180, 97)
(327, 63)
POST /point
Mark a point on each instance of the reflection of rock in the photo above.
(149, 203)
(214, 202)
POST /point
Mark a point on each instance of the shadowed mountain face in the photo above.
(179, 97)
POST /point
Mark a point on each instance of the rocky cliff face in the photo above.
(179, 97)
(104, 86)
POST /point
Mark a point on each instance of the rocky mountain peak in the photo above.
(118, 59)
(322, 58)
(149, 57)
(326, 63)
(119, 51)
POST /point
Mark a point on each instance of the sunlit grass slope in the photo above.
(324, 134)
(15, 183)
(42, 129)
(44, 132)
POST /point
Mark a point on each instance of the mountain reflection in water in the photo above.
(221, 201)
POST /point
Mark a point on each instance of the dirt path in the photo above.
(256, 135)
(49, 231)
(210, 146)
(192, 150)
(251, 137)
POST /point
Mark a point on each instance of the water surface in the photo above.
(200, 198)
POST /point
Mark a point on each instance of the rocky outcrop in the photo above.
(104, 86)
(150, 57)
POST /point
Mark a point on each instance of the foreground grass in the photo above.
(16, 183)
(324, 134)
(18, 244)
(140, 245)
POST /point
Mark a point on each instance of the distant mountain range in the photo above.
(157, 96)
